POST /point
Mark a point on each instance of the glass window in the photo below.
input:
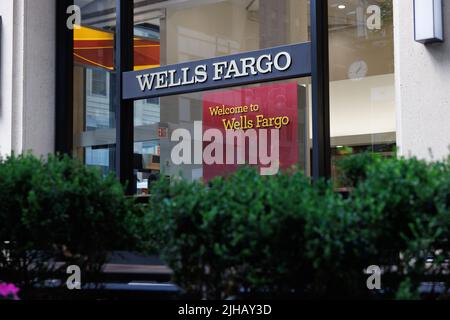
(94, 112)
(172, 32)
(212, 121)
(362, 90)
(99, 82)
(362, 94)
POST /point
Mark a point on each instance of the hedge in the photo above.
(242, 236)
(252, 236)
(59, 210)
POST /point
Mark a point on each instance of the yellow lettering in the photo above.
(228, 124)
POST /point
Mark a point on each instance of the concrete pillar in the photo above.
(27, 108)
(422, 87)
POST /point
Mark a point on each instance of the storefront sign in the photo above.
(240, 69)
(258, 126)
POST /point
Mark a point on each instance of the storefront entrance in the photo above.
(346, 105)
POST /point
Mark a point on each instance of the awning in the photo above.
(94, 47)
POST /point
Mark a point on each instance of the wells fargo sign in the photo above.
(255, 113)
(240, 69)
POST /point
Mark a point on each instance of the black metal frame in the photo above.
(320, 83)
(124, 61)
(124, 55)
(63, 80)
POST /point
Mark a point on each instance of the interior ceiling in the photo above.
(100, 9)
(342, 25)
(346, 17)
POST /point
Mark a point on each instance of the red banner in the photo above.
(266, 108)
(94, 47)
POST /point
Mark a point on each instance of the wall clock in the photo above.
(358, 70)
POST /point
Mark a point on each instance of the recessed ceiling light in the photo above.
(341, 6)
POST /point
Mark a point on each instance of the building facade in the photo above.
(387, 92)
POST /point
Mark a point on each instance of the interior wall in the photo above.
(365, 106)
(345, 50)
(222, 28)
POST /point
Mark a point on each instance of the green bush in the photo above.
(59, 210)
(404, 206)
(244, 235)
(353, 169)
(243, 232)
(214, 237)
(396, 217)
(282, 235)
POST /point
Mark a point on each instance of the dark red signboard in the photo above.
(269, 107)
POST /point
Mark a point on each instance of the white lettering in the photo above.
(272, 160)
(269, 64)
(213, 153)
(74, 280)
(241, 147)
(161, 81)
(233, 70)
(181, 153)
(219, 70)
(241, 136)
(248, 64)
(374, 281)
(144, 82)
(198, 143)
(74, 20)
(244, 67)
(172, 74)
(277, 61)
(201, 74)
(374, 20)
(185, 77)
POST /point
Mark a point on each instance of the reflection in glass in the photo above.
(193, 30)
(147, 112)
(362, 90)
(167, 32)
(94, 111)
(102, 157)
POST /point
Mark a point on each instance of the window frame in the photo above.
(124, 33)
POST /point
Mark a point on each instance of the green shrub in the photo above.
(59, 210)
(255, 221)
(404, 206)
(336, 243)
(281, 235)
(353, 169)
(242, 232)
